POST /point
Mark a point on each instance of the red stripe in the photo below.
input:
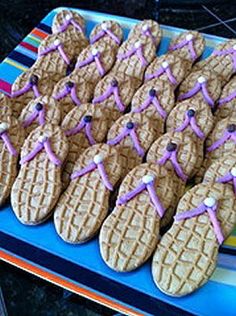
(29, 47)
(5, 86)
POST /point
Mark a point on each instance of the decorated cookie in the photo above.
(38, 184)
(203, 85)
(84, 126)
(192, 116)
(186, 256)
(82, 208)
(130, 234)
(188, 45)
(5, 105)
(109, 31)
(11, 139)
(154, 99)
(132, 135)
(169, 68)
(39, 111)
(147, 28)
(72, 91)
(134, 56)
(114, 94)
(30, 85)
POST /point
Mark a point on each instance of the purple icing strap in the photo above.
(188, 41)
(229, 134)
(43, 143)
(164, 69)
(112, 89)
(69, 20)
(6, 139)
(57, 45)
(201, 85)
(147, 32)
(229, 177)
(70, 88)
(82, 125)
(190, 120)
(128, 130)
(136, 49)
(146, 184)
(94, 57)
(33, 116)
(105, 31)
(27, 87)
(152, 99)
(171, 154)
(229, 98)
(230, 51)
(97, 163)
(209, 206)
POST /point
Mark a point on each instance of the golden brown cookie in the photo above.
(5, 105)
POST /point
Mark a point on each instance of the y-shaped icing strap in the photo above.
(136, 49)
(230, 51)
(43, 143)
(5, 137)
(171, 154)
(229, 177)
(96, 164)
(39, 113)
(84, 124)
(152, 99)
(31, 84)
(128, 130)
(112, 89)
(201, 85)
(188, 41)
(229, 134)
(69, 89)
(146, 30)
(57, 45)
(105, 31)
(190, 120)
(94, 57)
(146, 184)
(164, 69)
(229, 98)
(209, 205)
(69, 20)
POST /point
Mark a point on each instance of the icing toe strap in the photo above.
(39, 113)
(230, 51)
(190, 120)
(70, 88)
(105, 31)
(188, 41)
(136, 49)
(43, 143)
(97, 163)
(229, 134)
(229, 177)
(57, 45)
(6, 139)
(69, 20)
(164, 69)
(209, 205)
(94, 57)
(147, 32)
(146, 184)
(229, 98)
(31, 84)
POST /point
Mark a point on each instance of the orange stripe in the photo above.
(39, 33)
(66, 284)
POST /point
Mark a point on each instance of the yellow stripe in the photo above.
(34, 38)
(224, 276)
(230, 241)
(14, 64)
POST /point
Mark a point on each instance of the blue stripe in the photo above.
(21, 58)
(45, 28)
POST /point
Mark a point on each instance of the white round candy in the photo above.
(210, 201)
(68, 17)
(145, 27)
(97, 159)
(137, 44)
(104, 26)
(201, 79)
(147, 179)
(3, 127)
(57, 42)
(165, 64)
(233, 171)
(42, 139)
(94, 51)
(189, 37)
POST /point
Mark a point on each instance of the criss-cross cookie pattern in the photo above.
(60, 19)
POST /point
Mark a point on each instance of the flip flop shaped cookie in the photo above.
(169, 68)
(11, 139)
(191, 116)
(5, 105)
(134, 56)
(84, 126)
(108, 31)
(39, 111)
(130, 233)
(154, 99)
(186, 256)
(132, 135)
(114, 94)
(95, 61)
(188, 45)
(72, 91)
(202, 85)
(147, 28)
(223, 170)
(30, 85)
(38, 184)
(82, 208)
